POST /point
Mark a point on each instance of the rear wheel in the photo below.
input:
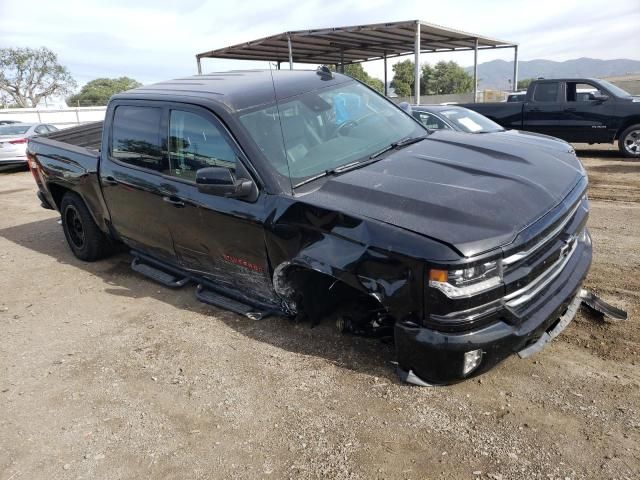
(629, 142)
(84, 237)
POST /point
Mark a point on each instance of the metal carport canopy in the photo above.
(362, 43)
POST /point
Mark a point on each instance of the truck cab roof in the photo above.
(239, 90)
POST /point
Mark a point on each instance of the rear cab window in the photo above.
(135, 137)
(546, 92)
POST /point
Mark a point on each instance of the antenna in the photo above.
(275, 98)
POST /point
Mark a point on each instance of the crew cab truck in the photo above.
(301, 193)
(581, 110)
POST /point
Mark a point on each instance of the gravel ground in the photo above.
(104, 374)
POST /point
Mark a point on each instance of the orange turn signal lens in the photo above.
(436, 275)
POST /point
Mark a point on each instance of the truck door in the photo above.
(219, 237)
(542, 113)
(587, 117)
(131, 166)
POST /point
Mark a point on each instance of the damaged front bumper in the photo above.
(427, 356)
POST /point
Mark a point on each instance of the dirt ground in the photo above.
(104, 374)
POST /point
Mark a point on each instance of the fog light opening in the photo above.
(472, 361)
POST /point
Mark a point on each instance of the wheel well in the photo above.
(57, 192)
(313, 294)
(627, 124)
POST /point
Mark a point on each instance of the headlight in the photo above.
(465, 282)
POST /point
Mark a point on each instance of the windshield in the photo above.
(617, 91)
(470, 121)
(14, 129)
(326, 129)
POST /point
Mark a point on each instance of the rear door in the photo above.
(131, 174)
(543, 112)
(586, 119)
(219, 237)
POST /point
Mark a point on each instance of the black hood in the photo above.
(474, 192)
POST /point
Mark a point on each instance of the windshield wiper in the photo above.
(399, 144)
(372, 158)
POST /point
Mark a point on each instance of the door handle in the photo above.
(109, 180)
(534, 109)
(569, 109)
(175, 201)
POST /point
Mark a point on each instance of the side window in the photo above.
(194, 143)
(581, 92)
(51, 128)
(546, 92)
(431, 121)
(40, 129)
(136, 137)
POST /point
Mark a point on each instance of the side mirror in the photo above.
(222, 182)
(599, 97)
(406, 107)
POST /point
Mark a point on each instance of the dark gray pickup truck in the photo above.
(582, 110)
(302, 193)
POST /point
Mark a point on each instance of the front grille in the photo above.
(529, 271)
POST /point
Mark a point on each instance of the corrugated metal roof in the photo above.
(359, 43)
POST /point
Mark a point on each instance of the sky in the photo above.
(154, 40)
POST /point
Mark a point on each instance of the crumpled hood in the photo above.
(474, 192)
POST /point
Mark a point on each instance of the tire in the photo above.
(629, 142)
(86, 240)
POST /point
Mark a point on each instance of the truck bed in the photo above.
(88, 136)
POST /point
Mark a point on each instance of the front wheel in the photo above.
(84, 237)
(629, 142)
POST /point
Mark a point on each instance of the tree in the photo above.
(402, 81)
(98, 91)
(355, 70)
(28, 75)
(524, 83)
(446, 78)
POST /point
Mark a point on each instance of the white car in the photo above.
(13, 141)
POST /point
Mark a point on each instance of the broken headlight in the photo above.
(465, 282)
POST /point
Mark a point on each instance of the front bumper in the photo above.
(437, 357)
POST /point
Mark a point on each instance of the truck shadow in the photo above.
(363, 355)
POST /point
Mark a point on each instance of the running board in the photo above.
(216, 299)
(156, 274)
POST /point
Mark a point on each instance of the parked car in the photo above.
(576, 110)
(13, 141)
(438, 117)
(517, 96)
(8, 122)
(301, 193)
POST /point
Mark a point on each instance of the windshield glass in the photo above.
(13, 129)
(617, 91)
(327, 128)
(470, 121)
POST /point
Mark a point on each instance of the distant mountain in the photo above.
(496, 74)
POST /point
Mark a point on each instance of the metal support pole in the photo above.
(199, 66)
(515, 68)
(290, 52)
(416, 67)
(475, 71)
(278, 64)
(342, 60)
(386, 90)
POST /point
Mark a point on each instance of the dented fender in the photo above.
(365, 254)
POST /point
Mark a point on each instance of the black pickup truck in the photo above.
(581, 110)
(305, 194)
